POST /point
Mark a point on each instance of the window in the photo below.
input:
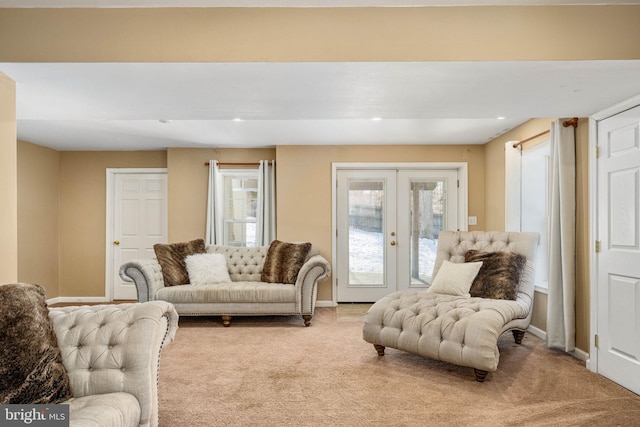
(528, 199)
(240, 197)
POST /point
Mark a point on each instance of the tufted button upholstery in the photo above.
(455, 329)
(246, 294)
(110, 349)
(245, 264)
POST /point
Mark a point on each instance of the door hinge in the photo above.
(458, 183)
(597, 151)
(597, 246)
(597, 344)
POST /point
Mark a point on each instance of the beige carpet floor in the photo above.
(272, 371)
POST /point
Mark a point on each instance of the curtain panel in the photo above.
(213, 232)
(562, 239)
(266, 208)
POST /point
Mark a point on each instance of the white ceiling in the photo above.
(116, 106)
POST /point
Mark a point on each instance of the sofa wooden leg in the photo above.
(480, 375)
(226, 321)
(380, 349)
(307, 319)
(518, 335)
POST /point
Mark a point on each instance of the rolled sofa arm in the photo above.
(116, 348)
(314, 270)
(146, 274)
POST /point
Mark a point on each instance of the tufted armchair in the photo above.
(457, 329)
(111, 353)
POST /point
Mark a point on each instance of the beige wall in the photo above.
(38, 229)
(83, 215)
(283, 34)
(305, 188)
(320, 34)
(495, 184)
(8, 182)
(187, 181)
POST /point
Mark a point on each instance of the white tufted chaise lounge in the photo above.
(456, 329)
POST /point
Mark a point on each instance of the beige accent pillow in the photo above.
(455, 278)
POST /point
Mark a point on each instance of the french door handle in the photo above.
(393, 243)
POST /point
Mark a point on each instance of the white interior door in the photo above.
(618, 262)
(388, 222)
(139, 222)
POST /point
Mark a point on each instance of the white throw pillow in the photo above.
(207, 268)
(455, 278)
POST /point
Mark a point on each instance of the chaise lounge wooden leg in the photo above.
(380, 349)
(307, 319)
(518, 335)
(480, 375)
(226, 321)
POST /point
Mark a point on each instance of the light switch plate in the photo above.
(473, 220)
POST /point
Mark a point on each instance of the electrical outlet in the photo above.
(473, 220)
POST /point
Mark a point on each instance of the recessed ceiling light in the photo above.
(376, 119)
(500, 117)
(237, 119)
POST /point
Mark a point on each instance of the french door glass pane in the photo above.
(427, 214)
(366, 240)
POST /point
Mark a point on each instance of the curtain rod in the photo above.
(236, 164)
(571, 122)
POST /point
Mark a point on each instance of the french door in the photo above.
(388, 221)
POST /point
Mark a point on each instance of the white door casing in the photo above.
(136, 220)
(618, 260)
(398, 240)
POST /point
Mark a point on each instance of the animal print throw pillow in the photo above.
(283, 261)
(499, 276)
(171, 259)
(31, 371)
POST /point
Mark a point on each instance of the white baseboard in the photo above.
(577, 353)
(537, 332)
(325, 304)
(581, 355)
(79, 300)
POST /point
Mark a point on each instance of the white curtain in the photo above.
(213, 233)
(562, 239)
(513, 168)
(266, 208)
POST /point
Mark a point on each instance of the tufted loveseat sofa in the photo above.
(460, 330)
(111, 354)
(245, 295)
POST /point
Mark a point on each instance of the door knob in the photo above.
(116, 242)
(393, 243)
